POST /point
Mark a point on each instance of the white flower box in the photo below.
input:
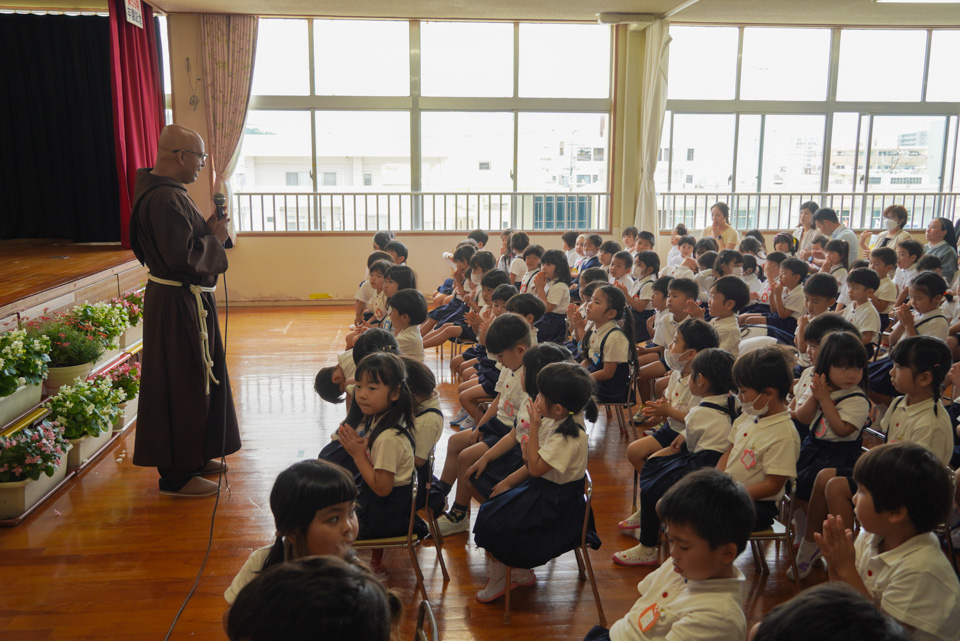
(16, 497)
(132, 336)
(128, 413)
(86, 447)
(17, 404)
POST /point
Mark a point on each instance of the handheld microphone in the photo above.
(220, 201)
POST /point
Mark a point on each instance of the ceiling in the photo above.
(794, 12)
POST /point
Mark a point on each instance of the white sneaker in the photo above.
(804, 566)
(521, 577)
(632, 522)
(467, 424)
(448, 526)
(462, 414)
(496, 585)
(637, 555)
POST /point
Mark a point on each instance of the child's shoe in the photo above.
(462, 414)
(638, 555)
(452, 525)
(807, 556)
(632, 522)
(467, 424)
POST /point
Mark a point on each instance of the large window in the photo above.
(768, 117)
(442, 125)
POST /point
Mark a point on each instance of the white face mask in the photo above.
(475, 278)
(891, 223)
(589, 253)
(737, 271)
(673, 360)
(753, 410)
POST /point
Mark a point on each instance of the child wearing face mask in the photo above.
(764, 444)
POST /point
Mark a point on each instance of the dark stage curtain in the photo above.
(58, 170)
(137, 101)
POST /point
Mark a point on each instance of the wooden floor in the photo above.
(111, 559)
(33, 266)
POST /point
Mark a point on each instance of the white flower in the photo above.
(89, 408)
(21, 381)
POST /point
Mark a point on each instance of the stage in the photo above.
(57, 274)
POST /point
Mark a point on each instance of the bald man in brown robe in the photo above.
(186, 416)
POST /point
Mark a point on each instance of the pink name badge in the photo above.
(648, 618)
(749, 459)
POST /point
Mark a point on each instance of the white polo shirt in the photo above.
(566, 455)
(411, 342)
(887, 293)
(728, 329)
(558, 294)
(251, 568)
(913, 583)
(864, 317)
(511, 394)
(919, 424)
(708, 428)
(840, 273)
(852, 409)
(932, 323)
(793, 301)
(365, 292)
(680, 397)
(664, 328)
(377, 305)
(762, 447)
(754, 283)
(617, 347)
(803, 388)
(526, 283)
(428, 427)
(518, 267)
(392, 452)
(903, 277)
(643, 287)
(346, 363)
(688, 610)
(626, 280)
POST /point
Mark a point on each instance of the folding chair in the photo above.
(426, 619)
(583, 559)
(409, 541)
(622, 408)
(782, 531)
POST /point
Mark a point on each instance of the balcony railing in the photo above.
(441, 211)
(782, 211)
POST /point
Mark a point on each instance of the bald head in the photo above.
(179, 154)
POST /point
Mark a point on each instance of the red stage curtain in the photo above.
(137, 101)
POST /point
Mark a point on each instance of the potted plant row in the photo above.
(132, 304)
(33, 461)
(23, 366)
(126, 378)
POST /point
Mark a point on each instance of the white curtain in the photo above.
(653, 104)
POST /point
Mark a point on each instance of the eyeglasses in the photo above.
(202, 157)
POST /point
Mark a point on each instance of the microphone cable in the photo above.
(223, 455)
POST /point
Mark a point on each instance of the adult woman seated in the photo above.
(942, 243)
(806, 232)
(726, 236)
(894, 219)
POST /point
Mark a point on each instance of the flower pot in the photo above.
(16, 497)
(17, 404)
(57, 377)
(128, 412)
(132, 336)
(86, 447)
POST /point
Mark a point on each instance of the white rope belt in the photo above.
(202, 317)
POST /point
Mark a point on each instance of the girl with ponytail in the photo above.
(542, 518)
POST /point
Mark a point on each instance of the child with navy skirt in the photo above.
(702, 443)
(384, 457)
(786, 302)
(646, 267)
(552, 286)
(607, 349)
(542, 518)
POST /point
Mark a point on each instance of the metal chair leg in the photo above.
(416, 567)
(593, 584)
(506, 599)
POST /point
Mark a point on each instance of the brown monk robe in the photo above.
(180, 426)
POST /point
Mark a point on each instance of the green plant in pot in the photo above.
(69, 345)
(86, 408)
(23, 360)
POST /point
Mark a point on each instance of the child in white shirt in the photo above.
(786, 301)
(695, 594)
(861, 284)
(727, 297)
(896, 561)
(883, 261)
(908, 253)
(408, 309)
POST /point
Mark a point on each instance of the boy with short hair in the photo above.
(591, 247)
(650, 360)
(645, 242)
(706, 274)
(903, 493)
(930, 263)
(607, 250)
(819, 295)
(883, 260)
(398, 251)
(531, 257)
(861, 284)
(620, 268)
(683, 270)
(366, 290)
(771, 271)
(786, 300)
(480, 237)
(728, 296)
(695, 594)
(908, 253)
(331, 382)
(568, 245)
(408, 309)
